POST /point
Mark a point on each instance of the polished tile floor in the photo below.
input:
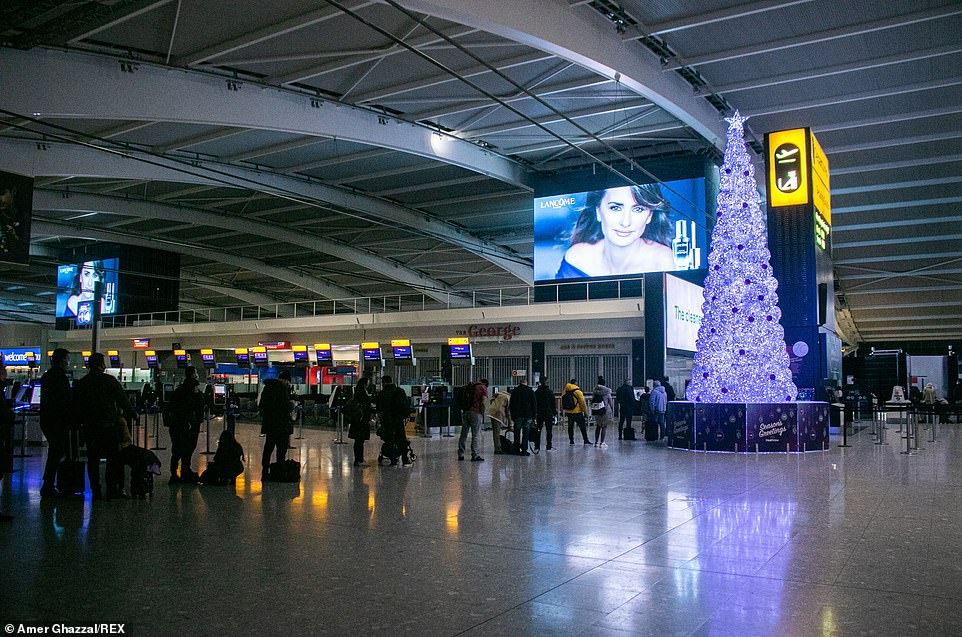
(635, 539)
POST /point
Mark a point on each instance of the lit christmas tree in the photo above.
(741, 356)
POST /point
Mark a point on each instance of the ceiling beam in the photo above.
(897, 185)
(848, 98)
(896, 205)
(435, 79)
(596, 47)
(891, 143)
(701, 19)
(860, 28)
(50, 200)
(307, 73)
(816, 72)
(70, 85)
(899, 241)
(897, 165)
(257, 36)
(117, 21)
(65, 159)
(197, 140)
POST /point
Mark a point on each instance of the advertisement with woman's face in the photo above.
(75, 289)
(620, 231)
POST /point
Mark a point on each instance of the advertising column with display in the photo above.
(800, 239)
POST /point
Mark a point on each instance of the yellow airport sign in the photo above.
(788, 171)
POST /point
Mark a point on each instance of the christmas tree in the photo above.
(741, 356)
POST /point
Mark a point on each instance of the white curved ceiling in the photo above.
(393, 144)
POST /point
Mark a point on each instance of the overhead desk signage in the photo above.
(402, 349)
(20, 356)
(141, 343)
(371, 350)
(322, 351)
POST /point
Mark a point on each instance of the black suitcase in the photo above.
(141, 484)
(651, 430)
(629, 433)
(287, 471)
(72, 470)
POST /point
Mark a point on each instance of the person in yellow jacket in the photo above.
(573, 404)
(499, 416)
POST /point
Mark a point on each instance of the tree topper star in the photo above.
(737, 120)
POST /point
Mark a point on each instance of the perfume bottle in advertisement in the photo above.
(681, 247)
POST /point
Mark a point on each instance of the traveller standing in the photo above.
(99, 404)
(276, 423)
(55, 417)
(626, 406)
(574, 407)
(523, 408)
(499, 416)
(659, 404)
(601, 395)
(7, 417)
(187, 405)
(394, 408)
(359, 429)
(669, 390)
(471, 419)
(547, 409)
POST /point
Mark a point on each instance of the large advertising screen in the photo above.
(16, 207)
(75, 289)
(683, 313)
(621, 231)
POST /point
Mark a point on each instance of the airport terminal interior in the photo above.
(444, 317)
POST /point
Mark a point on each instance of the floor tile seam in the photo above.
(532, 600)
(860, 538)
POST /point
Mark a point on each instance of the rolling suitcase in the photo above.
(72, 470)
(651, 429)
(629, 433)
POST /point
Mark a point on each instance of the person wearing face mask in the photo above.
(622, 230)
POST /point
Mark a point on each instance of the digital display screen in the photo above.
(19, 357)
(460, 351)
(300, 357)
(244, 359)
(322, 351)
(683, 313)
(372, 354)
(151, 359)
(207, 356)
(402, 353)
(181, 357)
(75, 289)
(114, 359)
(260, 359)
(621, 231)
(220, 394)
(35, 396)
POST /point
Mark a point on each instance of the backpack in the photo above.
(353, 412)
(598, 404)
(568, 401)
(464, 396)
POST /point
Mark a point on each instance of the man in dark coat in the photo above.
(55, 417)
(7, 418)
(523, 408)
(547, 409)
(626, 406)
(100, 402)
(276, 423)
(394, 408)
(187, 406)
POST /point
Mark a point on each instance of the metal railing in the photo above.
(482, 298)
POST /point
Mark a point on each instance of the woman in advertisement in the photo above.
(623, 230)
(82, 289)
